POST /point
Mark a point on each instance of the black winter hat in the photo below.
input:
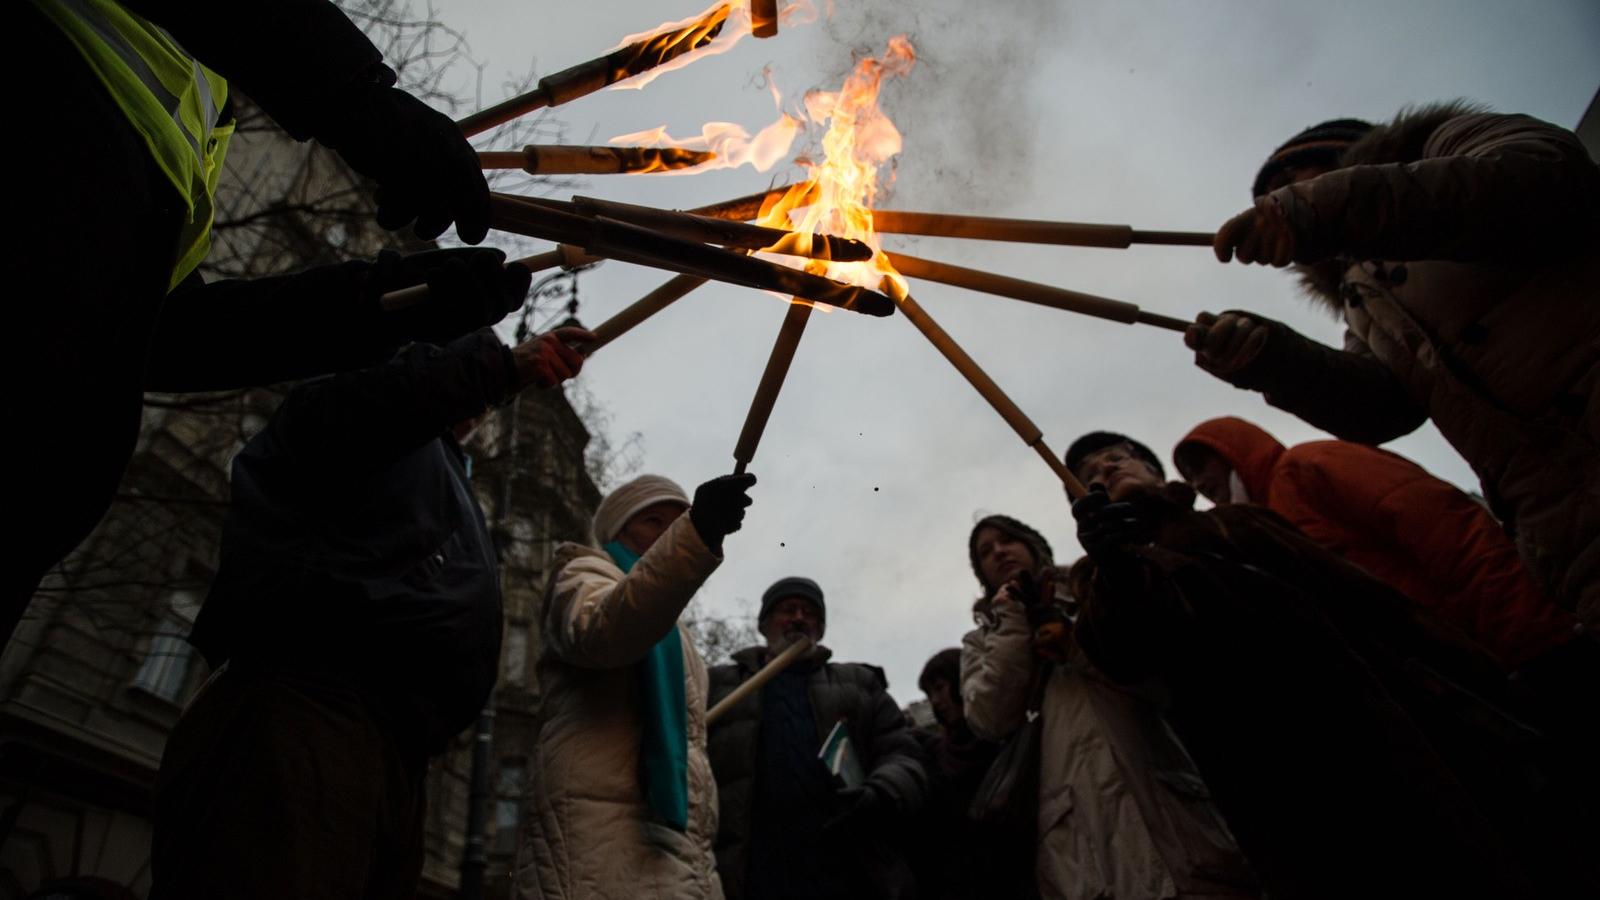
(793, 586)
(1319, 145)
(1042, 554)
(1095, 441)
(945, 664)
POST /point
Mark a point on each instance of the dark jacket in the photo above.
(354, 546)
(1465, 261)
(955, 857)
(853, 692)
(1307, 693)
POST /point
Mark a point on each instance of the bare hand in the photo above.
(550, 358)
(1225, 344)
(1260, 234)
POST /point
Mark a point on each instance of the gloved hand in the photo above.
(1226, 345)
(424, 167)
(861, 809)
(718, 508)
(1108, 531)
(1260, 234)
(550, 358)
(468, 288)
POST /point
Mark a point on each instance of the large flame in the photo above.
(837, 198)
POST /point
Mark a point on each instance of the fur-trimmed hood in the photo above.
(1400, 140)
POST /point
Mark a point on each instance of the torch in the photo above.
(752, 684)
(755, 421)
(566, 159)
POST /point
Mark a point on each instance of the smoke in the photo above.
(970, 109)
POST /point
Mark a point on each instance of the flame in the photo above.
(711, 32)
(732, 144)
(838, 196)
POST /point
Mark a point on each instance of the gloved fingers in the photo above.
(572, 335)
(569, 356)
(1194, 337)
(431, 222)
(1231, 234)
(395, 209)
(470, 204)
(1089, 504)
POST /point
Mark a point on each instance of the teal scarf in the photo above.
(664, 757)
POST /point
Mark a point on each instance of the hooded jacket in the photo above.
(1467, 267)
(1122, 810)
(1310, 696)
(853, 692)
(1387, 515)
(590, 834)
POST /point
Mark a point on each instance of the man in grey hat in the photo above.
(790, 828)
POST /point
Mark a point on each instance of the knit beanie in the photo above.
(625, 502)
(1096, 441)
(1042, 554)
(793, 586)
(1319, 145)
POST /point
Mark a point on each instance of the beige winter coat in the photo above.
(1468, 272)
(589, 835)
(1122, 812)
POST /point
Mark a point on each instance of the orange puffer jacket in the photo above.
(1416, 532)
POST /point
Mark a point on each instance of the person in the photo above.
(139, 116)
(353, 629)
(623, 804)
(790, 829)
(1463, 250)
(1121, 810)
(1386, 514)
(956, 857)
(1307, 691)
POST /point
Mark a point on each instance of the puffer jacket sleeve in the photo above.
(996, 666)
(897, 758)
(1488, 187)
(598, 618)
(1478, 571)
(1348, 393)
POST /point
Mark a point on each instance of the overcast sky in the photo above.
(879, 457)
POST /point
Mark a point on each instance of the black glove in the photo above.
(861, 810)
(468, 288)
(718, 508)
(1108, 531)
(424, 167)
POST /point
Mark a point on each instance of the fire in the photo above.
(731, 143)
(676, 44)
(837, 198)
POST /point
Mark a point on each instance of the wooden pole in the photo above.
(1029, 231)
(755, 421)
(727, 232)
(565, 256)
(587, 77)
(754, 683)
(609, 238)
(1031, 292)
(641, 309)
(997, 398)
(569, 159)
(764, 18)
(742, 209)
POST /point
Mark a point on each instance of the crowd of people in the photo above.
(1343, 678)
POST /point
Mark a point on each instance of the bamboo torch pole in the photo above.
(755, 421)
(1030, 231)
(642, 309)
(979, 379)
(769, 671)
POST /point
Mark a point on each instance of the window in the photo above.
(508, 805)
(165, 669)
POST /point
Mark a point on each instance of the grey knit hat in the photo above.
(793, 586)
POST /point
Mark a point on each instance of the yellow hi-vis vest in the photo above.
(169, 97)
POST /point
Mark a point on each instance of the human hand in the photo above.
(1225, 345)
(551, 358)
(719, 505)
(1260, 234)
(468, 288)
(1107, 530)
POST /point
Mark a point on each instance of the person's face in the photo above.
(647, 524)
(789, 619)
(1001, 557)
(1122, 473)
(946, 703)
(1207, 472)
